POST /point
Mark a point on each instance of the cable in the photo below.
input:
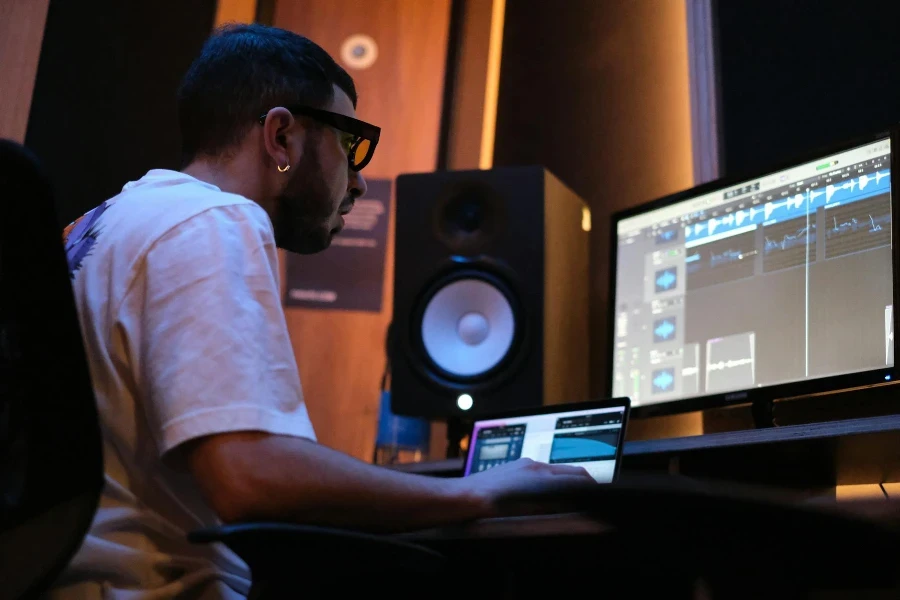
(884, 491)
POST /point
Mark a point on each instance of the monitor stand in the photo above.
(763, 411)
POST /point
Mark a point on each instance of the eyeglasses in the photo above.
(359, 148)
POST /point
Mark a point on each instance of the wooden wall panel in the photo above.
(21, 32)
(341, 354)
(598, 92)
(235, 11)
(466, 109)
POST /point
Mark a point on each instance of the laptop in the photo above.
(586, 434)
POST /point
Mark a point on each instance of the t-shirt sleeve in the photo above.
(215, 355)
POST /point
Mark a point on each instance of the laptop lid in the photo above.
(587, 434)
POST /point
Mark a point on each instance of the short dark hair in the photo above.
(243, 71)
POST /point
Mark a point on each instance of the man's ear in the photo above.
(282, 137)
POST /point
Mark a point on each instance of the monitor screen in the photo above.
(783, 278)
(590, 438)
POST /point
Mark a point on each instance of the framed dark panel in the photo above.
(796, 75)
(104, 106)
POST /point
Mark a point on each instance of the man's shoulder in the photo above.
(178, 198)
(155, 207)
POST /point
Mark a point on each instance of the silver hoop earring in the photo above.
(285, 169)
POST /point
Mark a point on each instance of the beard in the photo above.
(304, 211)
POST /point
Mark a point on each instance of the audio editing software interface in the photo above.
(587, 438)
(780, 279)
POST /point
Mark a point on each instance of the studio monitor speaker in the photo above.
(490, 293)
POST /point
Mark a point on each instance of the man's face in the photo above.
(319, 189)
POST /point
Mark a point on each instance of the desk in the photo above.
(565, 524)
(811, 457)
(515, 557)
(736, 550)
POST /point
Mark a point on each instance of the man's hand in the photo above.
(501, 488)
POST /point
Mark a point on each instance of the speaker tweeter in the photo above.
(468, 216)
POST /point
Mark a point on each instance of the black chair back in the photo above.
(51, 462)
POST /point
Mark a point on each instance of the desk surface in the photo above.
(815, 455)
(884, 512)
(510, 527)
(572, 544)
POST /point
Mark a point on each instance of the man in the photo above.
(176, 280)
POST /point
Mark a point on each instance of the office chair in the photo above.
(50, 441)
(50, 438)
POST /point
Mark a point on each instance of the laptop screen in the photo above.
(590, 438)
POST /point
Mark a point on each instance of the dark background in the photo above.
(797, 75)
(104, 110)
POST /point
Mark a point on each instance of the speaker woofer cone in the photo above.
(468, 327)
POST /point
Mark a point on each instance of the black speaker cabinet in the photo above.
(490, 293)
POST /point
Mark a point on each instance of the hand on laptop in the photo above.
(505, 489)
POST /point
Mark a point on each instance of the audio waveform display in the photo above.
(858, 227)
(851, 190)
(666, 279)
(663, 380)
(584, 446)
(785, 244)
(731, 362)
(664, 330)
(724, 258)
(800, 236)
(868, 223)
(722, 261)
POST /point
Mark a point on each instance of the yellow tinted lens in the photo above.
(362, 150)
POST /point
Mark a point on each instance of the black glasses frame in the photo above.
(359, 129)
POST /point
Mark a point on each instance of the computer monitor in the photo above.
(760, 287)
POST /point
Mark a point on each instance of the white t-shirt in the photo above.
(177, 287)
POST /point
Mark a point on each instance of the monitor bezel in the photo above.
(773, 392)
(609, 402)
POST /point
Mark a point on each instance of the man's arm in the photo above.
(217, 363)
(261, 477)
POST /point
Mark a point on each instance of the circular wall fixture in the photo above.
(359, 51)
